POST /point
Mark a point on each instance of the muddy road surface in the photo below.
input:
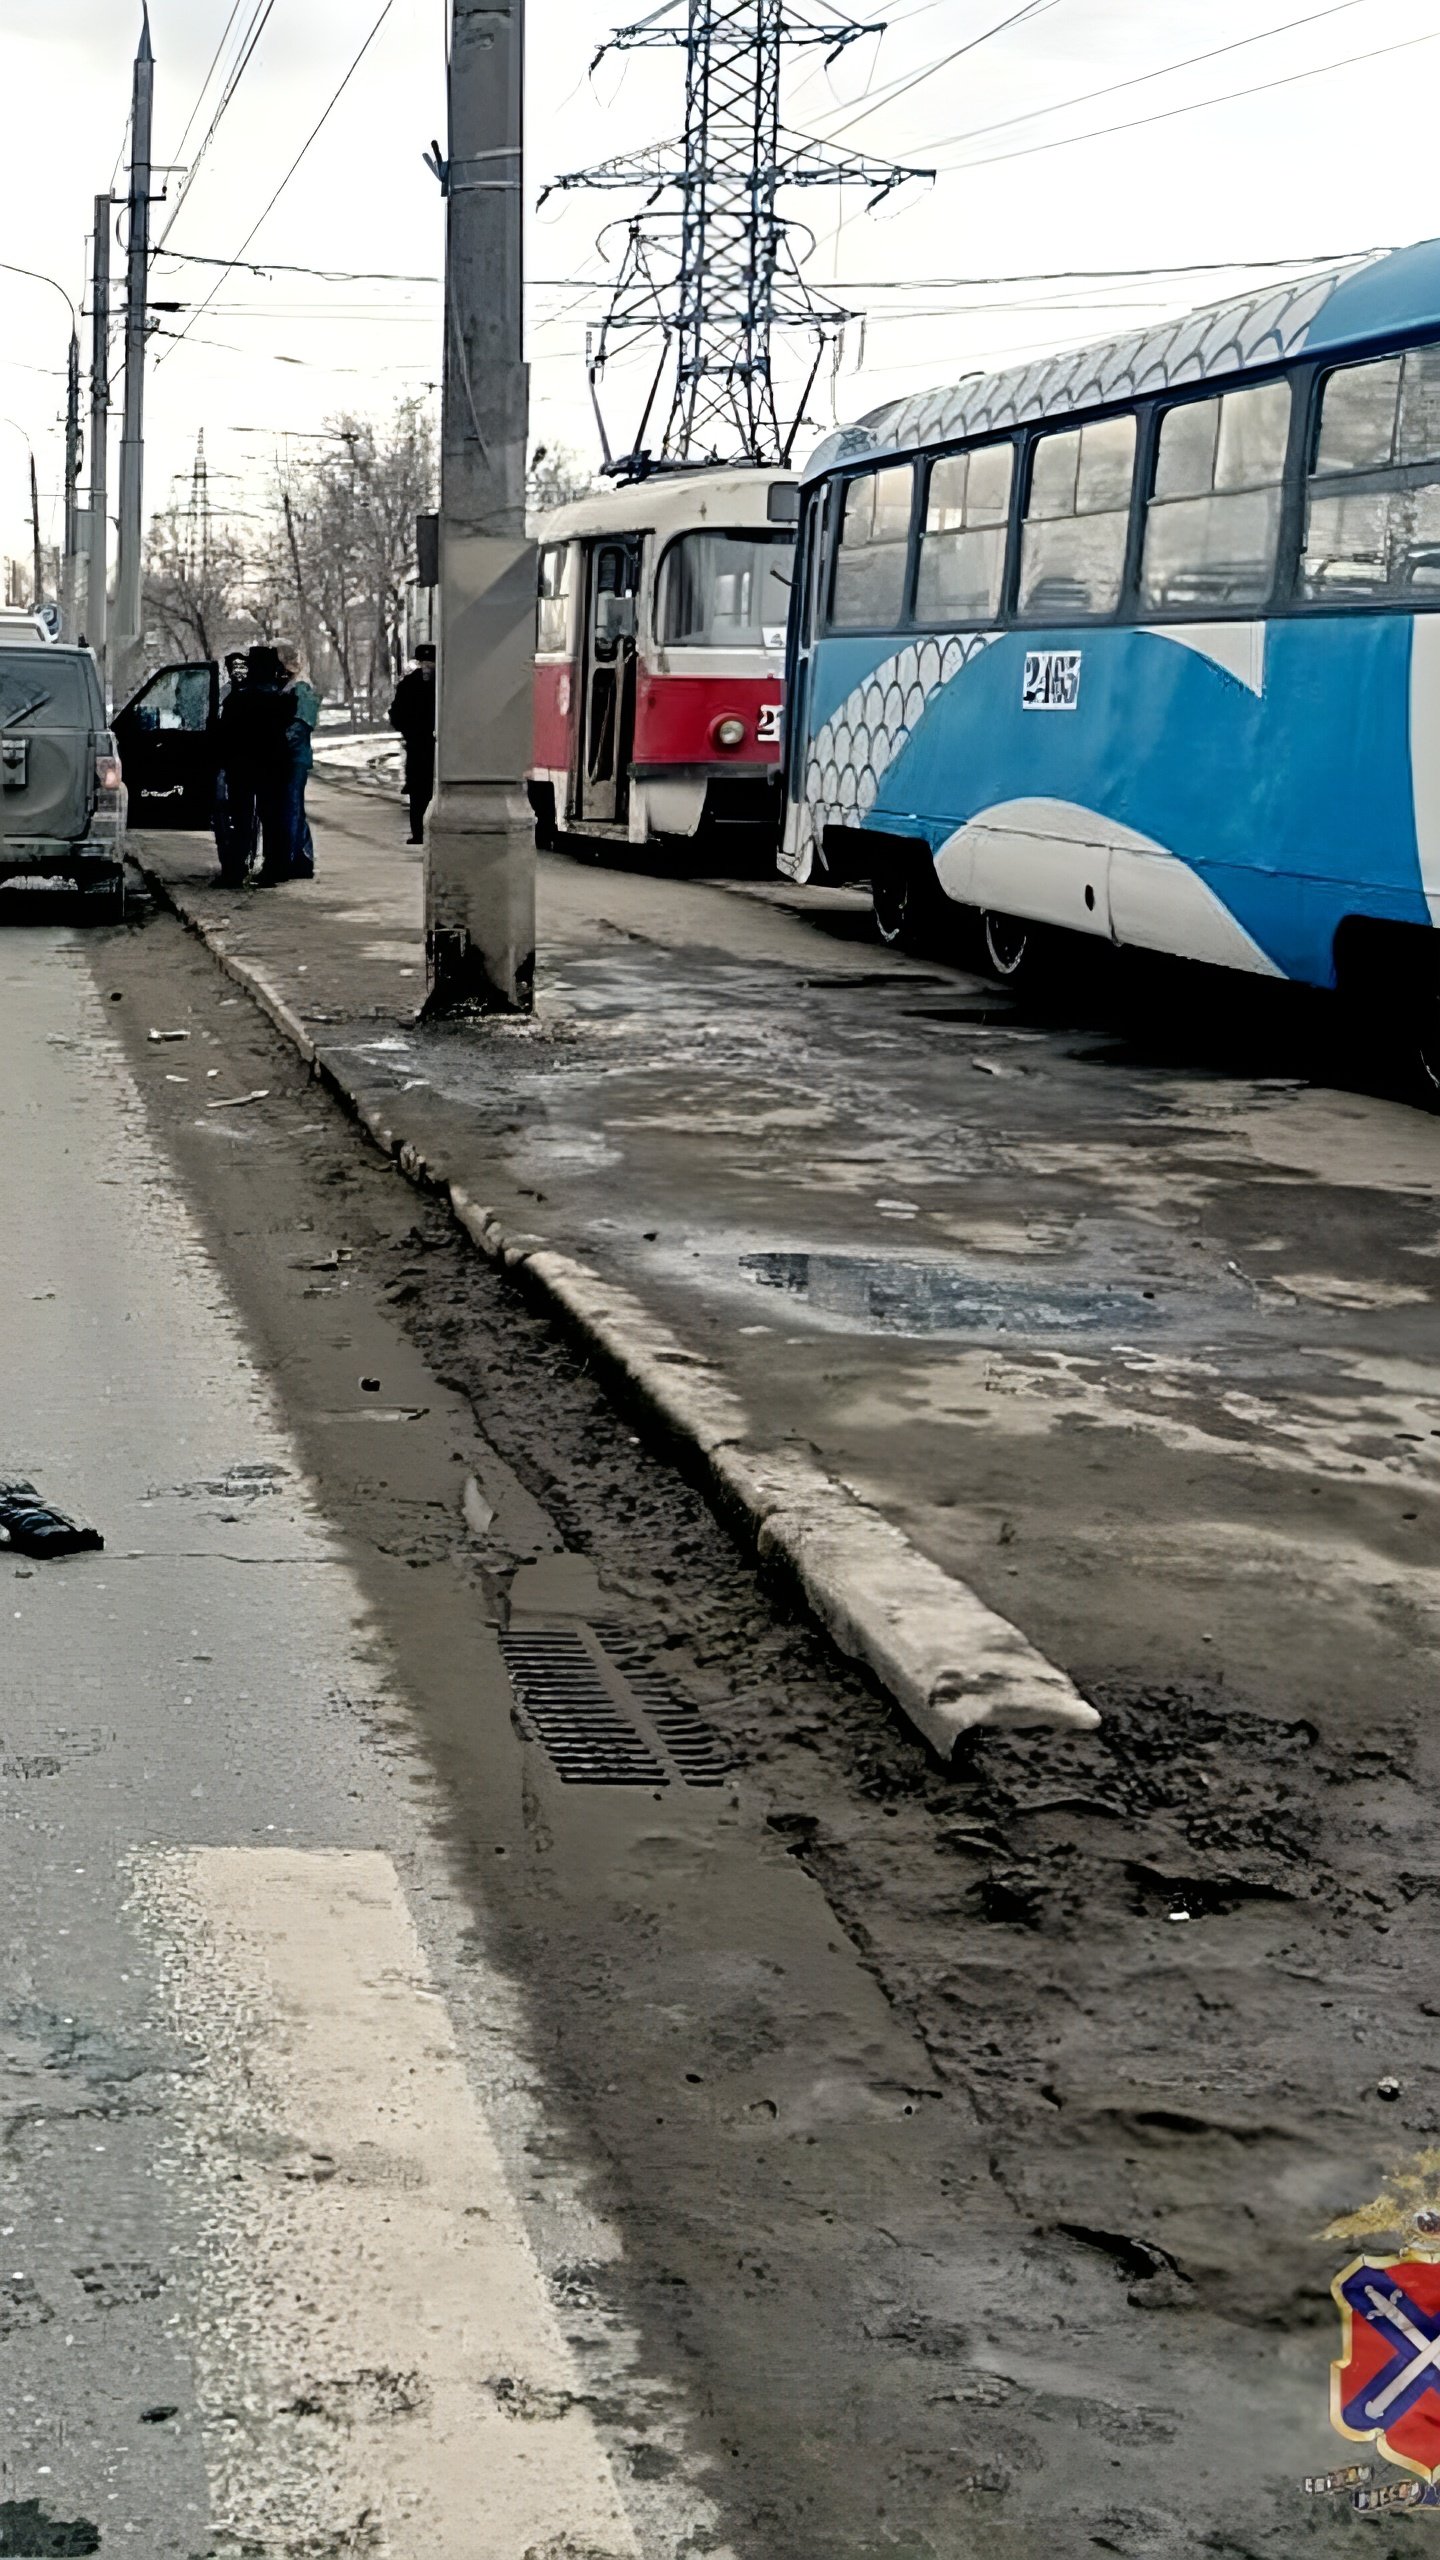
(506, 2047)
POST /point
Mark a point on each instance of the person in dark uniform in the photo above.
(237, 815)
(413, 713)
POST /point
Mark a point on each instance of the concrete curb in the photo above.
(950, 1663)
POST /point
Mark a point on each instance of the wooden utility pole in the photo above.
(98, 565)
(132, 435)
(479, 837)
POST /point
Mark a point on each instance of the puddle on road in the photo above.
(876, 1294)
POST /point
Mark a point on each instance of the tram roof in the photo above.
(1390, 293)
(668, 502)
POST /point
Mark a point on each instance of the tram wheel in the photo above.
(909, 906)
(1425, 1048)
(1014, 949)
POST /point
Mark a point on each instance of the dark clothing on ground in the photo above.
(413, 713)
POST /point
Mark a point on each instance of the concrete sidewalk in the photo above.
(939, 1302)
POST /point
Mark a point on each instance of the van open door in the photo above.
(168, 738)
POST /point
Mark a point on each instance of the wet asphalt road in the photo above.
(405, 2152)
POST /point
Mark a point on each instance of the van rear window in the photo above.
(41, 690)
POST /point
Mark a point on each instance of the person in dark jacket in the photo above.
(275, 713)
(237, 819)
(413, 713)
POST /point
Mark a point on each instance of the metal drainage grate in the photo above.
(560, 1686)
(698, 1754)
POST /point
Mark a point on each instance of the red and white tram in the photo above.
(660, 641)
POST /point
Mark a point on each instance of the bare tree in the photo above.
(346, 545)
(556, 475)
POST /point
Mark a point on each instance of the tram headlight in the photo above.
(728, 731)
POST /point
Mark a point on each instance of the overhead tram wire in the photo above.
(316, 129)
(857, 284)
(1195, 106)
(1137, 79)
(259, 21)
(190, 121)
(326, 275)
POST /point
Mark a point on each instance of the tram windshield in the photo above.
(726, 590)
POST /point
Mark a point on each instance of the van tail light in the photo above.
(107, 772)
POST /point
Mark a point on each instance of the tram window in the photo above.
(1077, 519)
(1213, 525)
(962, 544)
(1373, 521)
(726, 590)
(552, 620)
(874, 547)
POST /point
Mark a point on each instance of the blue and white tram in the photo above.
(1144, 643)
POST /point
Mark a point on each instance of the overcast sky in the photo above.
(1304, 165)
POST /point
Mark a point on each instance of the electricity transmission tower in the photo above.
(710, 263)
(197, 521)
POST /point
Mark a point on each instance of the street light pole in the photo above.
(132, 438)
(479, 838)
(69, 566)
(37, 563)
(97, 602)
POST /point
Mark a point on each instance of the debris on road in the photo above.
(30, 1526)
(236, 1101)
(167, 1035)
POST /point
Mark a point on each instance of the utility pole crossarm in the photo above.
(660, 30)
(662, 161)
(802, 162)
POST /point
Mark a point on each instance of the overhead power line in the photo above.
(899, 88)
(1195, 106)
(312, 136)
(1138, 79)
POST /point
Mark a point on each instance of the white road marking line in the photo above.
(380, 2371)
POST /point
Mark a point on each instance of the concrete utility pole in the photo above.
(98, 566)
(479, 838)
(70, 570)
(37, 556)
(132, 437)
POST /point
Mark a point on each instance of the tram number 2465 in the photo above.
(1052, 680)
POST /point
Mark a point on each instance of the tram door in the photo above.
(612, 590)
(804, 624)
